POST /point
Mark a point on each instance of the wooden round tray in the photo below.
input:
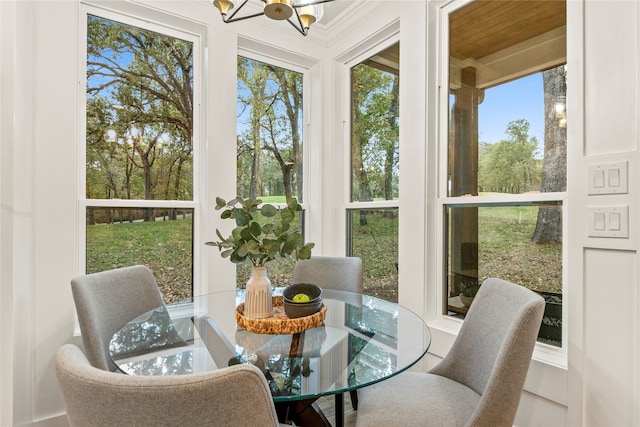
(279, 323)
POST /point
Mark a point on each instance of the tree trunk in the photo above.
(392, 117)
(358, 172)
(554, 165)
(256, 178)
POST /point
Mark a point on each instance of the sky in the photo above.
(519, 99)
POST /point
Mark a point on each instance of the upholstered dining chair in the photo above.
(480, 380)
(231, 396)
(106, 301)
(339, 273)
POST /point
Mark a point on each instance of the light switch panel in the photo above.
(608, 178)
(609, 221)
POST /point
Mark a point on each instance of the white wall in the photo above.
(38, 112)
(603, 352)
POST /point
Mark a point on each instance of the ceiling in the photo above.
(480, 27)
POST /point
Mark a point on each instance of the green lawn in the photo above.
(163, 246)
(505, 251)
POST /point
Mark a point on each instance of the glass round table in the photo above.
(363, 340)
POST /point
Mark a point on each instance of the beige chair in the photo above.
(233, 396)
(340, 273)
(106, 301)
(480, 381)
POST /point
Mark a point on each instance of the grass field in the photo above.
(505, 251)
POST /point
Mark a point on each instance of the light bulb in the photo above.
(310, 14)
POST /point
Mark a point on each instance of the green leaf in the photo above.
(268, 211)
(225, 214)
(220, 203)
(287, 215)
(242, 251)
(268, 229)
(295, 238)
(245, 235)
(242, 218)
(255, 229)
(294, 206)
(305, 251)
(253, 247)
(237, 259)
(226, 253)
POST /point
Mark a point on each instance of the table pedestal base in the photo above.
(302, 413)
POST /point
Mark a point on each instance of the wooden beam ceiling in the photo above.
(485, 27)
(505, 40)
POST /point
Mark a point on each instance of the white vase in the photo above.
(257, 303)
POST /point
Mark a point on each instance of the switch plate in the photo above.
(608, 178)
(609, 221)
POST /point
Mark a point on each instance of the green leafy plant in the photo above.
(469, 287)
(255, 243)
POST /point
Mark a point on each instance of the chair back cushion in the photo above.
(492, 352)
(237, 395)
(106, 301)
(339, 273)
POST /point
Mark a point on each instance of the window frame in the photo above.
(378, 43)
(295, 66)
(364, 54)
(271, 55)
(554, 355)
(173, 26)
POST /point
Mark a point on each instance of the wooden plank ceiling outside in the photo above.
(388, 60)
(489, 26)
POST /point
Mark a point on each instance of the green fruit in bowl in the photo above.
(300, 298)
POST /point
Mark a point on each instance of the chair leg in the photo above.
(354, 399)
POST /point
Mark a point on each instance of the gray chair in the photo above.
(340, 273)
(480, 380)
(237, 395)
(106, 301)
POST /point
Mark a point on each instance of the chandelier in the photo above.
(306, 11)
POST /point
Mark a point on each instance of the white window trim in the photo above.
(268, 54)
(175, 27)
(365, 50)
(546, 354)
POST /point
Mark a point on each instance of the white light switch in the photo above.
(608, 178)
(614, 221)
(614, 177)
(598, 178)
(609, 221)
(598, 221)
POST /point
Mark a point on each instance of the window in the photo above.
(139, 187)
(372, 215)
(270, 145)
(505, 179)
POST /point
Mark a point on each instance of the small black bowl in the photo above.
(301, 309)
(313, 292)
